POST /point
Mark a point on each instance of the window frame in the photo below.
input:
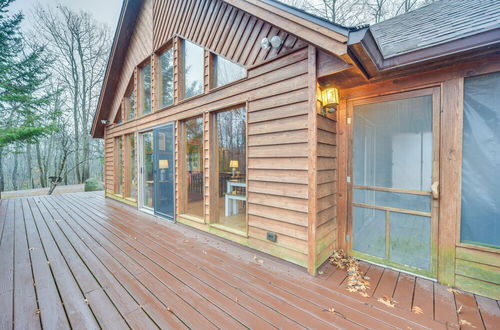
(118, 166)
(180, 70)
(460, 130)
(130, 167)
(169, 46)
(182, 179)
(139, 91)
(213, 72)
(214, 168)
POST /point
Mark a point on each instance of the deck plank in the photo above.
(444, 305)
(79, 313)
(7, 262)
(115, 267)
(490, 312)
(424, 296)
(403, 293)
(229, 270)
(469, 311)
(50, 305)
(26, 315)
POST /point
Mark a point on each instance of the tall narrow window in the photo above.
(193, 167)
(480, 161)
(225, 71)
(130, 175)
(119, 165)
(193, 59)
(147, 170)
(145, 89)
(230, 147)
(166, 78)
(128, 104)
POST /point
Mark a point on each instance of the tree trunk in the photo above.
(41, 167)
(30, 168)
(2, 178)
(14, 169)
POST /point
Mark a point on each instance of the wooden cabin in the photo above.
(291, 135)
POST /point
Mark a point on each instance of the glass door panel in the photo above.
(147, 174)
(231, 169)
(164, 171)
(392, 168)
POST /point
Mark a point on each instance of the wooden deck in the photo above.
(85, 262)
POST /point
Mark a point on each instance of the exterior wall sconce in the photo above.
(275, 42)
(330, 99)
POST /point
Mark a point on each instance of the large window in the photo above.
(193, 167)
(128, 105)
(147, 169)
(130, 161)
(192, 69)
(119, 165)
(145, 88)
(230, 146)
(166, 78)
(481, 161)
(225, 71)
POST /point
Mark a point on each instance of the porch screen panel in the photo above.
(480, 222)
(392, 177)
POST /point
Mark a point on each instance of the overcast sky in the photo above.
(106, 11)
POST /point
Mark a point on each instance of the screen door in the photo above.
(164, 171)
(394, 171)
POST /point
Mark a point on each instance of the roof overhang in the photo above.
(124, 30)
(363, 47)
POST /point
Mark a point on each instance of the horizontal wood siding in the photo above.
(326, 194)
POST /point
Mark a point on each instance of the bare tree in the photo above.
(81, 46)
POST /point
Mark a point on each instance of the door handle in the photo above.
(435, 190)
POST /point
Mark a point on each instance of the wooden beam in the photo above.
(312, 163)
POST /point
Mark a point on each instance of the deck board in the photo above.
(83, 261)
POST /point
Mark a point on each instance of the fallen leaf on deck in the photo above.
(465, 322)
(364, 294)
(331, 310)
(320, 272)
(186, 241)
(388, 301)
(37, 311)
(170, 310)
(417, 310)
(31, 248)
(459, 310)
(86, 301)
(454, 291)
(205, 252)
(356, 282)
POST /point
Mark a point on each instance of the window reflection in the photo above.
(192, 69)
(166, 79)
(231, 155)
(145, 97)
(147, 171)
(226, 71)
(119, 166)
(193, 171)
(131, 182)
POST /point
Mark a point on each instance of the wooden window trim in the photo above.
(183, 193)
(139, 94)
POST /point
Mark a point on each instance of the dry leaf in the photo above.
(320, 272)
(86, 301)
(186, 241)
(170, 310)
(465, 322)
(364, 294)
(459, 310)
(356, 282)
(417, 310)
(31, 249)
(452, 290)
(37, 311)
(204, 252)
(331, 310)
(388, 301)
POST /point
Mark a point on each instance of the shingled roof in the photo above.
(437, 23)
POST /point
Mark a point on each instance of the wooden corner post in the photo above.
(312, 162)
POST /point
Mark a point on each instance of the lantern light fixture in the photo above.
(330, 98)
